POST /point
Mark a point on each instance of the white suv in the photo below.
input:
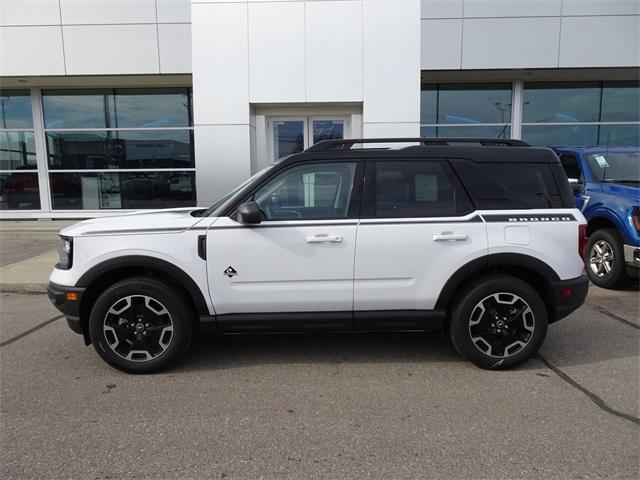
(476, 237)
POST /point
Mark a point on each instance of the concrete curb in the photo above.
(23, 288)
(28, 276)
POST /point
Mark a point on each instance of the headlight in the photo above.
(65, 251)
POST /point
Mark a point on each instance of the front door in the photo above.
(288, 135)
(300, 258)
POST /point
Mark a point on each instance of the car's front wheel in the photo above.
(140, 325)
(605, 258)
(498, 322)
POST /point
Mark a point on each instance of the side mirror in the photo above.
(575, 184)
(249, 213)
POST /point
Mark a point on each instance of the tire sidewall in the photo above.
(459, 326)
(617, 274)
(180, 316)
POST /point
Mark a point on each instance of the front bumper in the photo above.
(568, 296)
(69, 305)
(632, 255)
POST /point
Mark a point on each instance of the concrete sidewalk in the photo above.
(28, 254)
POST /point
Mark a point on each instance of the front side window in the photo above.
(308, 192)
(406, 189)
(571, 167)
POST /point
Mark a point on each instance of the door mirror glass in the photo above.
(249, 213)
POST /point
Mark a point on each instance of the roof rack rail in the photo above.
(347, 144)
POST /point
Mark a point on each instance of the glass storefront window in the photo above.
(19, 188)
(581, 114)
(17, 150)
(119, 129)
(15, 109)
(466, 110)
(499, 131)
(556, 135)
(117, 108)
(78, 109)
(152, 108)
(122, 190)
(622, 135)
(120, 149)
(466, 104)
(568, 102)
(19, 191)
(620, 102)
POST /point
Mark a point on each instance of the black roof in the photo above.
(475, 149)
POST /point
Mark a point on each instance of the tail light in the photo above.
(635, 218)
(582, 240)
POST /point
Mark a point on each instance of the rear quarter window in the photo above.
(495, 186)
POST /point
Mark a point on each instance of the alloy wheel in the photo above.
(601, 258)
(138, 328)
(501, 324)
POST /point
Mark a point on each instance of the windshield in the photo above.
(217, 208)
(620, 167)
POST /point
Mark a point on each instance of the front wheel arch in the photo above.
(107, 273)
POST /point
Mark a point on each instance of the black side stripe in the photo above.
(530, 218)
(393, 221)
(315, 224)
(142, 230)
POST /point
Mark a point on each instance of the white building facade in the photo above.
(117, 105)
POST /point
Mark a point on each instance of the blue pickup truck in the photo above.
(606, 183)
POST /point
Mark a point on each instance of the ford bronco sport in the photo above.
(480, 238)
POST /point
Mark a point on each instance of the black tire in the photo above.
(117, 335)
(505, 351)
(611, 240)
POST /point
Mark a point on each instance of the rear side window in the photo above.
(509, 185)
(412, 188)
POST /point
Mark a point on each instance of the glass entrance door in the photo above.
(288, 135)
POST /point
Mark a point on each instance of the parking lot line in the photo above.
(30, 331)
(592, 396)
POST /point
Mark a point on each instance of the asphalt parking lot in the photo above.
(323, 406)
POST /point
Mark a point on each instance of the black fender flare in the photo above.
(141, 261)
(493, 260)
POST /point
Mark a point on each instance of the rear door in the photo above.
(417, 229)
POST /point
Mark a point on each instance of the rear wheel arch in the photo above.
(105, 274)
(524, 267)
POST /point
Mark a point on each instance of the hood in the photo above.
(630, 191)
(172, 220)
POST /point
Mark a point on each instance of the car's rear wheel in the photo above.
(498, 322)
(605, 258)
(140, 325)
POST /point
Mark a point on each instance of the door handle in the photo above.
(324, 238)
(446, 237)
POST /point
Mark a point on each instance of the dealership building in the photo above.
(116, 105)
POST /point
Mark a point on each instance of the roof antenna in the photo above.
(606, 154)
